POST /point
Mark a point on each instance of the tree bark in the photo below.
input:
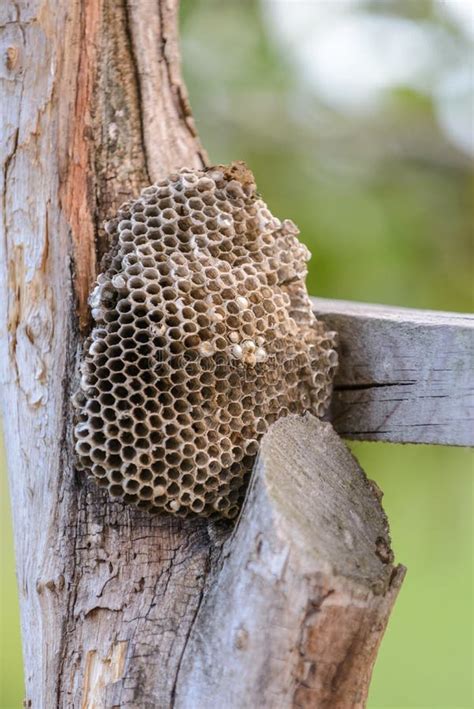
(93, 109)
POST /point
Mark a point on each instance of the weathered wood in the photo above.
(405, 376)
(92, 110)
(107, 594)
(295, 614)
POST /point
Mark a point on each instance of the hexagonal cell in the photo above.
(204, 335)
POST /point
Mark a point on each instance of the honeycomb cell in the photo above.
(204, 335)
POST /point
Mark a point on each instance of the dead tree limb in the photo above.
(297, 608)
(405, 375)
(93, 109)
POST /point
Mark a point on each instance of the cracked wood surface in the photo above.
(405, 376)
(111, 599)
(107, 594)
(299, 601)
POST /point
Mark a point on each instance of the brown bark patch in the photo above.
(77, 191)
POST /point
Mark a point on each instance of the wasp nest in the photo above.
(204, 335)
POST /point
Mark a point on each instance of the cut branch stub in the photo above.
(295, 614)
(204, 336)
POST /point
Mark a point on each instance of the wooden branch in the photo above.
(295, 614)
(172, 143)
(94, 109)
(405, 376)
(107, 594)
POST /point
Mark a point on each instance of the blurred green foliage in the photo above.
(426, 656)
(383, 201)
(11, 675)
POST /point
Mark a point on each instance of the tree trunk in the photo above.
(112, 600)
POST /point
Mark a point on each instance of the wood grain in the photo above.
(107, 594)
(110, 596)
(405, 376)
(295, 613)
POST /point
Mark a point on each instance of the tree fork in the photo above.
(111, 599)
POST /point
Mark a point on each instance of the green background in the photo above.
(383, 201)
